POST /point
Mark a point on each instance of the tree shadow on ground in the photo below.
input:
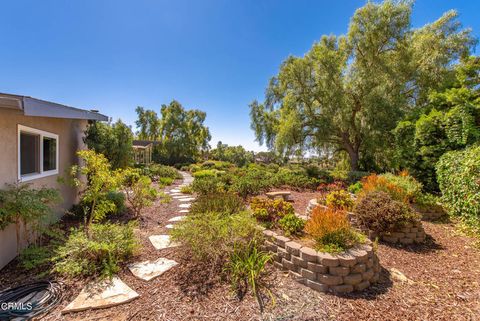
(373, 291)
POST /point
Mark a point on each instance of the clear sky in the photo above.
(215, 55)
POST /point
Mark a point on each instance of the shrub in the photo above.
(331, 230)
(355, 188)
(330, 187)
(118, 198)
(379, 212)
(291, 224)
(211, 237)
(225, 202)
(205, 173)
(339, 200)
(386, 183)
(155, 171)
(458, 175)
(245, 186)
(410, 187)
(187, 189)
(165, 181)
(139, 192)
(429, 203)
(270, 211)
(207, 185)
(101, 254)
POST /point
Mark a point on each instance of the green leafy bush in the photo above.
(429, 203)
(379, 212)
(139, 191)
(458, 175)
(291, 224)
(187, 189)
(101, 254)
(165, 181)
(270, 211)
(205, 173)
(207, 185)
(340, 200)
(410, 186)
(212, 237)
(118, 198)
(224, 202)
(155, 171)
(355, 188)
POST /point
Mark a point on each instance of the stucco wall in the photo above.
(70, 134)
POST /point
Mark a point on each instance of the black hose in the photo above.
(30, 300)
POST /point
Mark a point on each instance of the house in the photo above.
(143, 151)
(38, 143)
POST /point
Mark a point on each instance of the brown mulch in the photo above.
(444, 274)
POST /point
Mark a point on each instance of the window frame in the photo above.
(42, 134)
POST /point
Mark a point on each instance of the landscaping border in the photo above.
(353, 270)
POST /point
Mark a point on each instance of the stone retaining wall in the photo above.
(431, 215)
(411, 233)
(353, 270)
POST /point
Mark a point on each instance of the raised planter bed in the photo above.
(411, 233)
(353, 270)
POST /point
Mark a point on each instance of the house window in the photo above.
(37, 153)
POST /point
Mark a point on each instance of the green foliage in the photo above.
(429, 203)
(377, 211)
(187, 189)
(355, 188)
(212, 237)
(21, 203)
(160, 172)
(114, 141)
(101, 253)
(459, 179)
(410, 187)
(118, 198)
(207, 185)
(246, 268)
(291, 224)
(180, 133)
(35, 256)
(100, 181)
(205, 173)
(270, 211)
(340, 200)
(233, 154)
(224, 202)
(348, 92)
(139, 191)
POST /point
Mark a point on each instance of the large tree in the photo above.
(349, 91)
(181, 133)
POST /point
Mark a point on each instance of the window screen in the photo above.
(49, 154)
(29, 153)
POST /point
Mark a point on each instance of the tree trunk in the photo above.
(352, 152)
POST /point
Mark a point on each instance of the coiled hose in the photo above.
(30, 300)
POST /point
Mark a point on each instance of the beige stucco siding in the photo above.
(70, 133)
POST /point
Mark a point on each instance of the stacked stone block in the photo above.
(353, 270)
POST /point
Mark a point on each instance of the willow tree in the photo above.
(348, 92)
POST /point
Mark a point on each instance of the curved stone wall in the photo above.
(353, 270)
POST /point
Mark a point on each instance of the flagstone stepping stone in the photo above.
(184, 211)
(185, 205)
(188, 199)
(169, 226)
(105, 294)
(181, 197)
(176, 218)
(162, 241)
(148, 270)
(175, 190)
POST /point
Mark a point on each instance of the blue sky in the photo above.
(215, 55)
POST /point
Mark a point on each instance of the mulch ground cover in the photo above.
(442, 283)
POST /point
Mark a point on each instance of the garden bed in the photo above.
(353, 270)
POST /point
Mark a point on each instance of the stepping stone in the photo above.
(107, 293)
(185, 205)
(148, 270)
(169, 226)
(181, 197)
(184, 211)
(176, 219)
(187, 199)
(175, 190)
(162, 241)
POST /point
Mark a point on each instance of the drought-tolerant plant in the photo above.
(205, 173)
(211, 237)
(19, 203)
(376, 183)
(139, 191)
(339, 200)
(164, 181)
(101, 254)
(355, 187)
(331, 230)
(291, 224)
(429, 203)
(224, 202)
(187, 189)
(270, 211)
(100, 180)
(379, 212)
(207, 185)
(410, 187)
(246, 268)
